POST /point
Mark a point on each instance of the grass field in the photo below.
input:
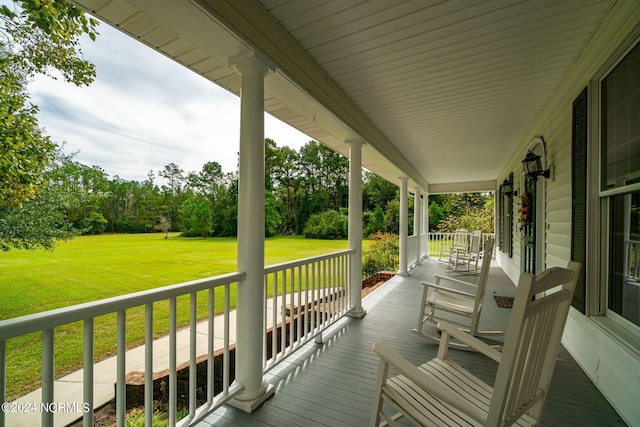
(91, 268)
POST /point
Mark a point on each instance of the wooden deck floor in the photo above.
(332, 384)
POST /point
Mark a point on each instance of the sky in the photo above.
(144, 111)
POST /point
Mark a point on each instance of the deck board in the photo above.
(332, 384)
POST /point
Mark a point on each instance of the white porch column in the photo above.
(404, 216)
(425, 223)
(250, 297)
(417, 222)
(355, 226)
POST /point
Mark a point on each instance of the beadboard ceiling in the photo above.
(441, 91)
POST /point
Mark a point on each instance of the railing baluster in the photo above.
(211, 377)
(148, 364)
(324, 293)
(314, 294)
(300, 308)
(292, 302)
(283, 314)
(343, 281)
(121, 340)
(173, 377)
(193, 368)
(274, 318)
(226, 362)
(47, 375)
(87, 386)
(308, 303)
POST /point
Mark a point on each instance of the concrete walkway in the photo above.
(68, 389)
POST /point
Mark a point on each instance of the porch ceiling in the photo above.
(444, 92)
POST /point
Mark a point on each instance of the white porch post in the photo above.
(425, 223)
(404, 214)
(417, 223)
(250, 331)
(355, 226)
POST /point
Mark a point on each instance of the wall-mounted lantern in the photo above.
(507, 188)
(533, 166)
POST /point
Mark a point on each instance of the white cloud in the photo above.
(145, 111)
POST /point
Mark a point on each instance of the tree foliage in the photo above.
(36, 37)
(473, 211)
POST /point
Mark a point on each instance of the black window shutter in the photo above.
(579, 195)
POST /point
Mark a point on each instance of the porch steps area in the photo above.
(332, 384)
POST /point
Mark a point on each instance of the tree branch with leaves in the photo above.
(36, 37)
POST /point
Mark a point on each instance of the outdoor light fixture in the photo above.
(507, 188)
(533, 166)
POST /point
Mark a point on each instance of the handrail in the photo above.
(17, 326)
(296, 263)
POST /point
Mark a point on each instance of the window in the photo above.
(620, 93)
(624, 266)
(620, 178)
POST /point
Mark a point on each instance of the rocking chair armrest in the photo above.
(470, 340)
(425, 380)
(454, 280)
(447, 289)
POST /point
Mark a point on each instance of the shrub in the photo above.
(327, 225)
(381, 255)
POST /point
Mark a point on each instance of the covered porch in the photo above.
(442, 97)
(332, 384)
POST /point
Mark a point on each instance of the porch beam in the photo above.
(250, 296)
(355, 227)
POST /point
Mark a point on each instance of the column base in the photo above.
(357, 313)
(252, 402)
(402, 273)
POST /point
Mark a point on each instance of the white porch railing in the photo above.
(46, 322)
(632, 260)
(438, 243)
(307, 296)
(417, 249)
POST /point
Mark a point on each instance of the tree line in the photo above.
(306, 192)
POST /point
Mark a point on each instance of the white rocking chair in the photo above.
(467, 259)
(459, 243)
(441, 392)
(454, 296)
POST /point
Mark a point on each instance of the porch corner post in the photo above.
(417, 223)
(404, 214)
(355, 227)
(250, 331)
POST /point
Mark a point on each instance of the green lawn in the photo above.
(90, 268)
